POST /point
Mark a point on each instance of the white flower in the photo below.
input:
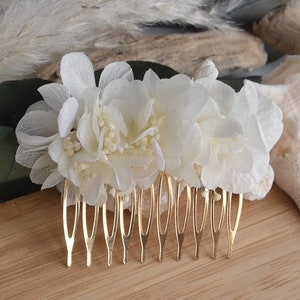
(176, 105)
(43, 122)
(238, 130)
(123, 132)
(113, 143)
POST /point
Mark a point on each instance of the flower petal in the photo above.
(151, 81)
(91, 190)
(113, 71)
(237, 182)
(269, 117)
(27, 156)
(77, 73)
(67, 116)
(58, 155)
(221, 93)
(122, 171)
(241, 161)
(37, 106)
(42, 168)
(226, 128)
(37, 128)
(144, 178)
(56, 150)
(131, 100)
(161, 164)
(212, 173)
(52, 180)
(263, 187)
(55, 94)
(207, 69)
(86, 135)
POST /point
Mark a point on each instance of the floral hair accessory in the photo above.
(144, 145)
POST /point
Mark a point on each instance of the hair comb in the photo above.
(167, 149)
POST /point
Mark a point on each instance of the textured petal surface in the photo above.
(77, 73)
(67, 116)
(115, 70)
(37, 128)
(40, 105)
(131, 99)
(222, 94)
(55, 94)
(52, 180)
(206, 69)
(27, 156)
(86, 135)
(42, 168)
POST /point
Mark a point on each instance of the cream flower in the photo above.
(123, 132)
(176, 105)
(113, 143)
(238, 130)
(43, 122)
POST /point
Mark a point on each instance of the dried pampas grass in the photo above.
(35, 32)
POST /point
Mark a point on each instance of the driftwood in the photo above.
(232, 52)
(281, 28)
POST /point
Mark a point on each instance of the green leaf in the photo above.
(16, 97)
(140, 67)
(238, 83)
(14, 179)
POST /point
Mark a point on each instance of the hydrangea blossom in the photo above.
(176, 105)
(111, 136)
(237, 130)
(123, 132)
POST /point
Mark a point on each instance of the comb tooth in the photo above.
(89, 240)
(144, 235)
(110, 238)
(180, 233)
(162, 232)
(198, 231)
(127, 236)
(70, 189)
(231, 232)
(216, 231)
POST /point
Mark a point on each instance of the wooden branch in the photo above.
(232, 52)
(281, 28)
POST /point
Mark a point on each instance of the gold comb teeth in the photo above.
(180, 233)
(144, 234)
(110, 238)
(89, 240)
(199, 229)
(70, 193)
(216, 230)
(126, 237)
(233, 230)
(162, 231)
(166, 197)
